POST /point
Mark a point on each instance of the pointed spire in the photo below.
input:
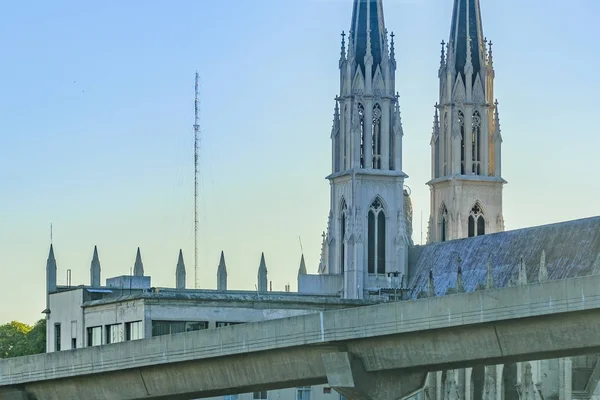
(436, 122)
(430, 285)
(222, 273)
(51, 271)
(95, 269)
(460, 286)
(443, 56)
(367, 32)
(490, 56)
(543, 273)
(302, 269)
(466, 33)
(490, 277)
(138, 267)
(180, 272)
(262, 275)
(323, 259)
(392, 50)
(522, 272)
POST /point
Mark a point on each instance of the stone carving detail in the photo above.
(489, 387)
(527, 389)
(450, 387)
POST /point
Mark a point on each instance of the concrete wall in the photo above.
(321, 284)
(65, 309)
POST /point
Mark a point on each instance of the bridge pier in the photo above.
(346, 374)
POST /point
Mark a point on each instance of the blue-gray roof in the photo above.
(359, 31)
(466, 17)
(572, 249)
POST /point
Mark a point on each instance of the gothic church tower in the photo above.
(466, 182)
(366, 239)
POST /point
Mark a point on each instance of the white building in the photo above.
(367, 252)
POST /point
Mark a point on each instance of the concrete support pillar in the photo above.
(13, 394)
(565, 375)
(346, 375)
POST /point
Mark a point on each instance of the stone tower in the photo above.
(466, 182)
(366, 237)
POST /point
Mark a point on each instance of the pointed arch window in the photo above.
(476, 143)
(343, 139)
(476, 221)
(376, 139)
(446, 142)
(443, 223)
(361, 117)
(461, 123)
(343, 221)
(376, 238)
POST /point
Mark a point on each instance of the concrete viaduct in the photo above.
(372, 352)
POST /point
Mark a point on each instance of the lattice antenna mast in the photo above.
(196, 146)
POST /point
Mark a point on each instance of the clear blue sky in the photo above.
(96, 114)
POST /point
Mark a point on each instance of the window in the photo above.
(326, 390)
(476, 221)
(74, 343)
(476, 143)
(220, 324)
(361, 116)
(259, 395)
(344, 213)
(94, 336)
(134, 330)
(56, 337)
(376, 238)
(376, 139)
(160, 328)
(444, 223)
(303, 393)
(446, 143)
(114, 333)
(461, 122)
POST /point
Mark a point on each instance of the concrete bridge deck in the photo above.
(372, 352)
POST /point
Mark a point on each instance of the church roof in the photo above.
(466, 23)
(571, 249)
(368, 13)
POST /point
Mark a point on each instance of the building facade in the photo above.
(367, 253)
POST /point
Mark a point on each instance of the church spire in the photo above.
(180, 272)
(95, 269)
(262, 275)
(368, 32)
(138, 267)
(222, 273)
(51, 271)
(466, 34)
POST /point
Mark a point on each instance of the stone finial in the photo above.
(430, 286)
(222, 273)
(543, 273)
(490, 277)
(180, 272)
(51, 272)
(522, 272)
(460, 287)
(95, 269)
(302, 268)
(138, 267)
(262, 275)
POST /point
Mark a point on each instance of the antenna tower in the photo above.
(196, 145)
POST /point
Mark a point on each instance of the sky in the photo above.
(96, 136)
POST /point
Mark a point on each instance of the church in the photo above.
(367, 253)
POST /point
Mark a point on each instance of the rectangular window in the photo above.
(303, 393)
(94, 336)
(221, 323)
(160, 328)
(114, 333)
(326, 390)
(134, 330)
(259, 395)
(56, 337)
(73, 343)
